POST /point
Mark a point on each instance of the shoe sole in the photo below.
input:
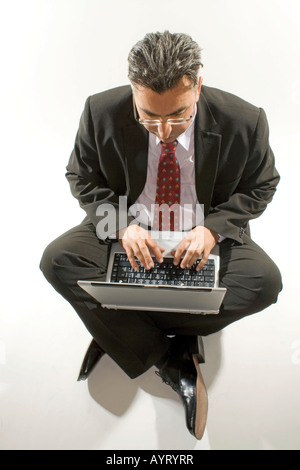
(202, 402)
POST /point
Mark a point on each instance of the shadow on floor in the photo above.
(115, 391)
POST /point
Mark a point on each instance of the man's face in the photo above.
(172, 104)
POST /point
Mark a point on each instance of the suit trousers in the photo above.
(136, 340)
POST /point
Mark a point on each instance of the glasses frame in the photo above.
(157, 122)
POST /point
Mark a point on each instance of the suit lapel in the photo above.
(207, 150)
(135, 140)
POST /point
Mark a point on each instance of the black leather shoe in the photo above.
(92, 356)
(182, 372)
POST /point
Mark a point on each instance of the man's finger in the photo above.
(144, 255)
(203, 261)
(156, 249)
(190, 258)
(131, 258)
(180, 250)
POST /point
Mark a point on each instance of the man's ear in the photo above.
(199, 87)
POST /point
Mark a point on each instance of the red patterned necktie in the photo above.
(167, 190)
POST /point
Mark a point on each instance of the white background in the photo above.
(55, 53)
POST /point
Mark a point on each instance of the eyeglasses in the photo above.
(157, 122)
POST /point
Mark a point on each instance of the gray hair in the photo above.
(160, 60)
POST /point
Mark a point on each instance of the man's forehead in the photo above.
(171, 102)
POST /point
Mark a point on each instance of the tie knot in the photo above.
(169, 147)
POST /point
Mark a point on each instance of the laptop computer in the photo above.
(165, 287)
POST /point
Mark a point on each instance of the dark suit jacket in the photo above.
(234, 165)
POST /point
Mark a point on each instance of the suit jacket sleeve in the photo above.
(88, 182)
(254, 191)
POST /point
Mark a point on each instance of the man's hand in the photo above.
(199, 241)
(136, 241)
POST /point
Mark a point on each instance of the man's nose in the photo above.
(164, 130)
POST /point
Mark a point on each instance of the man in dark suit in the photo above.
(225, 164)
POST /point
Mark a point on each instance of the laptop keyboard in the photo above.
(164, 273)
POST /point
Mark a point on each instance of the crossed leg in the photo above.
(137, 340)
